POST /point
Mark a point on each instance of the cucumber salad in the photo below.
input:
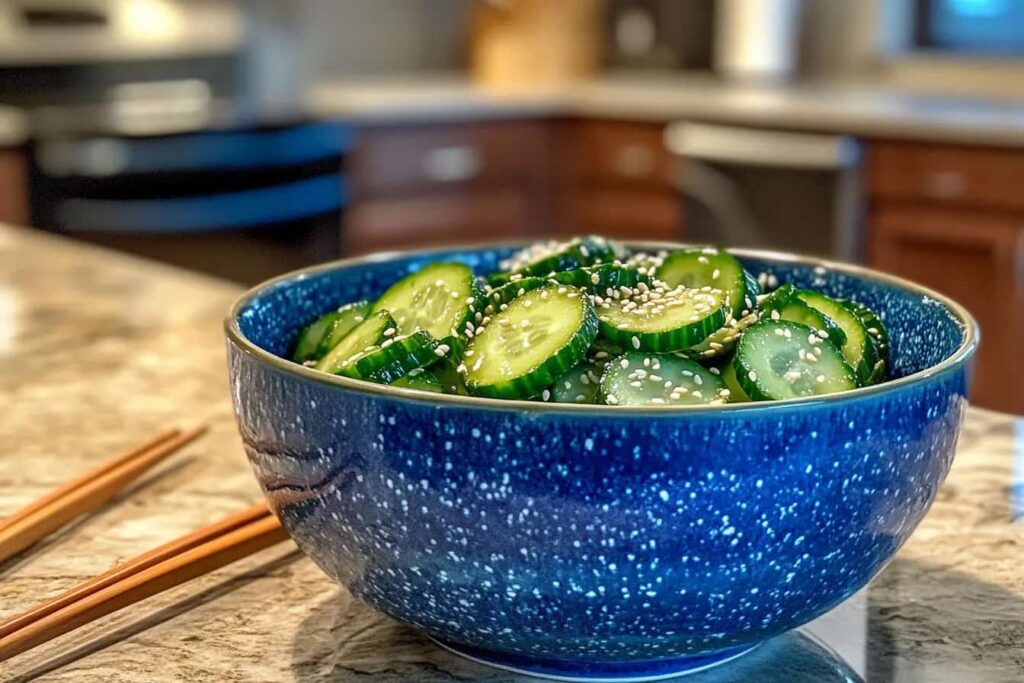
(586, 322)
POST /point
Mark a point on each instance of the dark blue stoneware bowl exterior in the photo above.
(597, 540)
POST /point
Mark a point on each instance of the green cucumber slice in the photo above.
(579, 385)
(878, 373)
(537, 338)
(508, 293)
(345, 320)
(857, 347)
(307, 346)
(661, 319)
(736, 393)
(778, 299)
(545, 258)
(752, 290)
(599, 278)
(780, 359)
(371, 332)
(422, 379)
(439, 299)
(394, 358)
(723, 340)
(637, 379)
(450, 378)
(877, 330)
(797, 311)
(696, 268)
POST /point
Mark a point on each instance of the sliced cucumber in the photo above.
(369, 333)
(874, 325)
(545, 258)
(438, 299)
(752, 290)
(579, 385)
(878, 373)
(723, 340)
(346, 320)
(779, 359)
(797, 311)
(508, 293)
(537, 338)
(778, 299)
(599, 279)
(450, 378)
(696, 268)
(307, 346)
(857, 346)
(639, 378)
(736, 393)
(421, 379)
(661, 319)
(394, 358)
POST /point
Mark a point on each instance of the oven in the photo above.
(771, 189)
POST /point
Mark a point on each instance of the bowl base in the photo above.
(581, 672)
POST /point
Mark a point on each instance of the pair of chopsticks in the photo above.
(153, 572)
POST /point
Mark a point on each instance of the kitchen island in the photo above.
(99, 351)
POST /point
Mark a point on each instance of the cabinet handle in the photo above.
(452, 164)
(634, 161)
(945, 185)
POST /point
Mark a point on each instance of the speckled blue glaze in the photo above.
(596, 542)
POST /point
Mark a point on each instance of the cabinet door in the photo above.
(13, 188)
(435, 220)
(630, 214)
(978, 260)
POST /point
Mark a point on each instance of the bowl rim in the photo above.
(964, 351)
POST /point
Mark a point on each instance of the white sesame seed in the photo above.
(752, 375)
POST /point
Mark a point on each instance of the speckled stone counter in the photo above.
(99, 351)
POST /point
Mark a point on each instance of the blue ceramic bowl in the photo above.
(597, 542)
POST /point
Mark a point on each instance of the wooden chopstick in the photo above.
(102, 469)
(134, 566)
(142, 578)
(86, 493)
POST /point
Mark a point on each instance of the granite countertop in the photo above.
(99, 351)
(855, 109)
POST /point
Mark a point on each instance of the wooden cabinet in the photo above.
(427, 185)
(13, 188)
(968, 244)
(435, 184)
(622, 181)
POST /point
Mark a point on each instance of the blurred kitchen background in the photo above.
(244, 138)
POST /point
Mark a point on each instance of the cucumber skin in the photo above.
(389, 363)
(868, 357)
(871, 320)
(678, 339)
(307, 346)
(577, 253)
(422, 381)
(608, 275)
(543, 376)
(380, 320)
(344, 323)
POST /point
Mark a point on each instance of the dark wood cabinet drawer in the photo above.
(436, 220)
(978, 260)
(630, 214)
(625, 154)
(396, 160)
(948, 174)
